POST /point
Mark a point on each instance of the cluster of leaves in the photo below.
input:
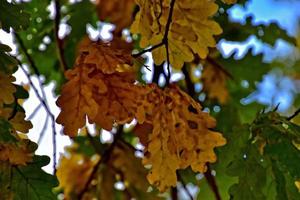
(21, 176)
(258, 154)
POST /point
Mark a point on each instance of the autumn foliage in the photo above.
(166, 134)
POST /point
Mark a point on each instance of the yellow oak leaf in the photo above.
(118, 12)
(17, 121)
(17, 154)
(7, 89)
(191, 30)
(181, 136)
(214, 83)
(101, 90)
(105, 57)
(74, 171)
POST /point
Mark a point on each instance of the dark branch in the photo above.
(104, 158)
(212, 183)
(184, 186)
(163, 42)
(28, 57)
(188, 81)
(59, 42)
(174, 193)
(294, 115)
(147, 50)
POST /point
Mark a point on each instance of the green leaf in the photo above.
(13, 15)
(30, 182)
(5, 134)
(252, 176)
(7, 63)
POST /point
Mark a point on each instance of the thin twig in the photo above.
(294, 115)
(43, 102)
(59, 42)
(163, 42)
(212, 183)
(42, 133)
(184, 186)
(165, 39)
(104, 158)
(34, 111)
(147, 50)
(43, 98)
(188, 81)
(174, 193)
(28, 57)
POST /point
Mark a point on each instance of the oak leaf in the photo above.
(181, 136)
(190, 32)
(7, 89)
(101, 88)
(17, 153)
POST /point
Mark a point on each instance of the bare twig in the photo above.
(212, 183)
(28, 57)
(174, 193)
(104, 158)
(43, 98)
(147, 50)
(188, 81)
(44, 103)
(184, 186)
(34, 111)
(294, 115)
(42, 133)
(59, 42)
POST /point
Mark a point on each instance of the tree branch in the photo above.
(59, 42)
(163, 42)
(188, 81)
(184, 186)
(44, 103)
(294, 115)
(174, 193)
(104, 158)
(212, 183)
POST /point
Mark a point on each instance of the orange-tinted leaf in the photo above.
(181, 136)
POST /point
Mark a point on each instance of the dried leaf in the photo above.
(190, 32)
(7, 89)
(99, 88)
(181, 136)
(17, 153)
